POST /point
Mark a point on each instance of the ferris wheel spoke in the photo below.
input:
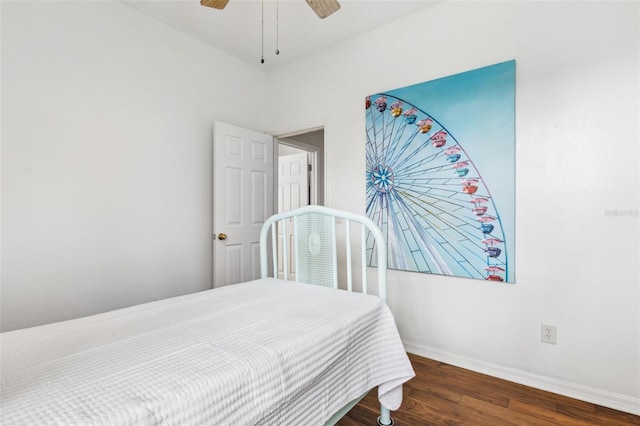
(417, 144)
(425, 254)
(425, 198)
(455, 244)
(398, 153)
(442, 218)
(398, 136)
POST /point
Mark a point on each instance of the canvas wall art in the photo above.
(440, 178)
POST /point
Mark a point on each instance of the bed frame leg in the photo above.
(385, 416)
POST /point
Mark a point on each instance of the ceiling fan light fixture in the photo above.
(322, 8)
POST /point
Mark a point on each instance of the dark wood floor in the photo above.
(442, 394)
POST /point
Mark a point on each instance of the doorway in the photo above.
(299, 181)
(312, 143)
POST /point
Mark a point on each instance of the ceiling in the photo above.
(237, 28)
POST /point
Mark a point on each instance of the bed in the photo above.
(270, 351)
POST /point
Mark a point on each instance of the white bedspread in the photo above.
(267, 352)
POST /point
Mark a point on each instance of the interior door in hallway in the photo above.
(293, 192)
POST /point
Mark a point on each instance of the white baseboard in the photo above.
(605, 398)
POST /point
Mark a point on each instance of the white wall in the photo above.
(106, 157)
(577, 133)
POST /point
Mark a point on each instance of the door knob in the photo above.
(222, 236)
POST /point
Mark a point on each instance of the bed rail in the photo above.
(314, 246)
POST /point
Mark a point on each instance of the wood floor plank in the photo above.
(466, 382)
(408, 416)
(350, 421)
(496, 411)
(360, 414)
(442, 394)
(418, 384)
(597, 418)
(542, 413)
(617, 415)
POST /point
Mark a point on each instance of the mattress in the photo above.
(262, 352)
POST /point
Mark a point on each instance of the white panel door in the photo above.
(242, 201)
(293, 192)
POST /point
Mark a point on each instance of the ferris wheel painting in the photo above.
(440, 178)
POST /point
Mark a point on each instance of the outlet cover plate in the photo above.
(548, 333)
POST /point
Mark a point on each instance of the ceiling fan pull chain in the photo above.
(262, 18)
(277, 26)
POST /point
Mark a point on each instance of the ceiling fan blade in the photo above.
(323, 8)
(216, 4)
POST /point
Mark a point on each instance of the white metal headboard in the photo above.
(314, 246)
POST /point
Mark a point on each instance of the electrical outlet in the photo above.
(548, 333)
